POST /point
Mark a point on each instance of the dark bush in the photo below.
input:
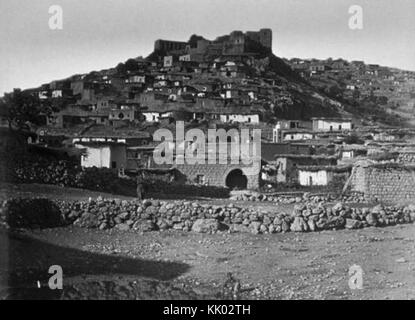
(31, 213)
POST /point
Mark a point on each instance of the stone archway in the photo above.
(236, 180)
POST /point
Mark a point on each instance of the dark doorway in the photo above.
(236, 180)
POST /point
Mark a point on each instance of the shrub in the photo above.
(31, 213)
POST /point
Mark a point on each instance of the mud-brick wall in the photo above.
(385, 184)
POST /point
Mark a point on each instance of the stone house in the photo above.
(350, 151)
(241, 117)
(105, 149)
(287, 165)
(293, 135)
(283, 128)
(102, 152)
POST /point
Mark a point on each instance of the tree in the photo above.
(131, 65)
(21, 108)
(121, 69)
(353, 139)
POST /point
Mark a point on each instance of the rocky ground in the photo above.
(174, 264)
(181, 265)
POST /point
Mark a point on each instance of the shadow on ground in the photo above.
(27, 260)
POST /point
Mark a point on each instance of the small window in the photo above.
(200, 179)
(114, 164)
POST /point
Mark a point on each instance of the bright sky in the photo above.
(98, 34)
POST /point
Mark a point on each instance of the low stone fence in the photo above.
(299, 197)
(152, 215)
(354, 197)
(281, 197)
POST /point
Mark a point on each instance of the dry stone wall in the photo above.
(153, 215)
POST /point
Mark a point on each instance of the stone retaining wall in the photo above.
(388, 183)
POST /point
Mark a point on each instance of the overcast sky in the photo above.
(98, 34)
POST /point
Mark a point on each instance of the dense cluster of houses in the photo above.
(359, 80)
(109, 116)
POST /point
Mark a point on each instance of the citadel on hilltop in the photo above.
(236, 42)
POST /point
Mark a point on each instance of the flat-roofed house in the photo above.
(102, 152)
(332, 124)
(321, 175)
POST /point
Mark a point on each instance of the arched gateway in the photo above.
(236, 180)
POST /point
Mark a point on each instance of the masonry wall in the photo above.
(215, 174)
(406, 157)
(385, 184)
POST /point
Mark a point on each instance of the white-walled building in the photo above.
(332, 124)
(154, 116)
(321, 175)
(314, 178)
(286, 130)
(242, 118)
(102, 152)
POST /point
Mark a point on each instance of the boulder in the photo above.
(311, 225)
(122, 227)
(238, 228)
(144, 226)
(334, 223)
(299, 225)
(254, 227)
(371, 219)
(205, 225)
(353, 224)
(285, 227)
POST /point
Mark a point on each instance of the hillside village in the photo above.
(356, 83)
(81, 186)
(312, 130)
